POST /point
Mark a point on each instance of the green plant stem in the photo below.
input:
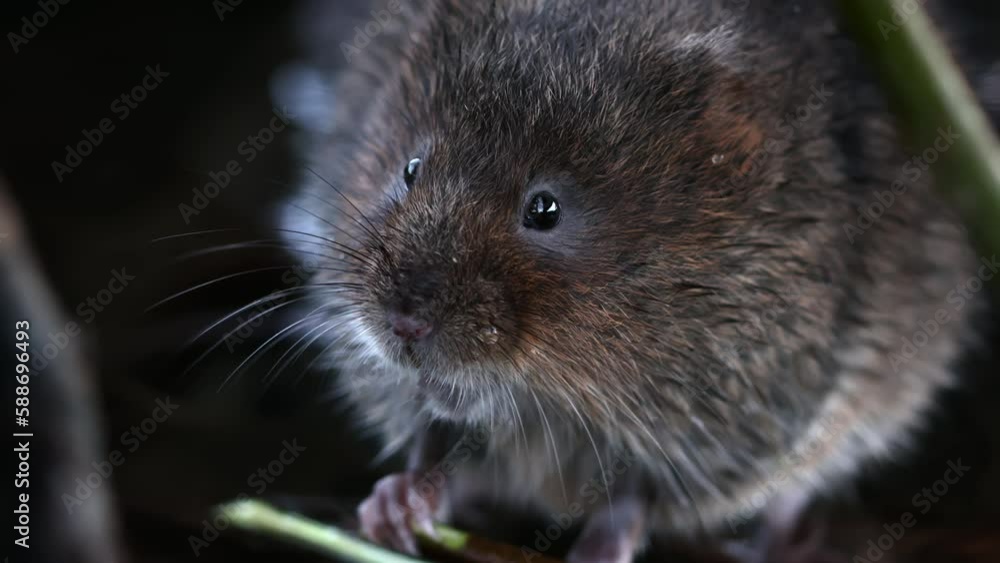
(931, 92)
(326, 540)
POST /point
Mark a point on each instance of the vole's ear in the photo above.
(731, 123)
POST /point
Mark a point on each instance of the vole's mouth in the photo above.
(450, 401)
(447, 395)
(408, 357)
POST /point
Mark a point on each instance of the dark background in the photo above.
(104, 216)
(107, 214)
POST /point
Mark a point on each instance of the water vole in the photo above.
(626, 230)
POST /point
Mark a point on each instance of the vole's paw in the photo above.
(613, 535)
(400, 503)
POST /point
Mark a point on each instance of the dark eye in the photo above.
(410, 172)
(542, 212)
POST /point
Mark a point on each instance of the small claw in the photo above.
(401, 538)
(394, 510)
(425, 526)
(365, 511)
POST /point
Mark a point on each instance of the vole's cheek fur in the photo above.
(722, 329)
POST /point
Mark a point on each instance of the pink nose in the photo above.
(409, 327)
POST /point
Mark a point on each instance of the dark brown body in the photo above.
(725, 310)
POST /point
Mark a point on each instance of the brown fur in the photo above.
(700, 307)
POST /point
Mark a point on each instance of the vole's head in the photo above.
(551, 207)
(634, 221)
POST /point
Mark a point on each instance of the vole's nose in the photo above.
(408, 327)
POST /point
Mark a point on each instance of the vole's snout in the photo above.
(408, 327)
(407, 310)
